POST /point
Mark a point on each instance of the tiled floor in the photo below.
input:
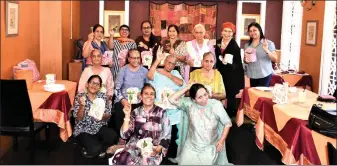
(240, 146)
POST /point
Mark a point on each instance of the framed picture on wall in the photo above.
(12, 18)
(246, 19)
(311, 32)
(113, 20)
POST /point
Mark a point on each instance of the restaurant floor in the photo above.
(240, 146)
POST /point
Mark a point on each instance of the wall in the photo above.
(26, 44)
(68, 44)
(89, 14)
(139, 11)
(310, 58)
(18, 48)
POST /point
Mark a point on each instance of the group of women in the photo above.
(213, 74)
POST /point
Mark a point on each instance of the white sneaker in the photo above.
(173, 160)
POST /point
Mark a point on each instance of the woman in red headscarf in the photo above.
(229, 64)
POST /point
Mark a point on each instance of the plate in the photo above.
(265, 89)
(54, 87)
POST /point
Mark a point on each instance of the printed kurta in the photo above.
(153, 124)
(201, 132)
(88, 124)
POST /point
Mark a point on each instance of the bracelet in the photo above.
(127, 119)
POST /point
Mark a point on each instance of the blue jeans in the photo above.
(260, 81)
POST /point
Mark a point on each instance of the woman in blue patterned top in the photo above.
(260, 69)
(93, 133)
(132, 75)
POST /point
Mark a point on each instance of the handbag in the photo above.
(322, 122)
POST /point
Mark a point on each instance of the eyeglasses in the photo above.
(135, 58)
(146, 28)
(95, 83)
(227, 31)
(124, 29)
(198, 32)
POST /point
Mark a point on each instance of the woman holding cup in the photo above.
(229, 64)
(259, 53)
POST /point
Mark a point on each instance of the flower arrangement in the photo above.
(97, 108)
(132, 95)
(145, 145)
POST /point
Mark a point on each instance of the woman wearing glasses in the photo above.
(120, 47)
(147, 44)
(229, 64)
(132, 76)
(94, 135)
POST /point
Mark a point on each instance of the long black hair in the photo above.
(257, 25)
(176, 44)
(96, 26)
(95, 76)
(194, 89)
(152, 41)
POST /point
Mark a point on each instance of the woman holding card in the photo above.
(196, 49)
(209, 77)
(146, 122)
(91, 112)
(129, 81)
(176, 47)
(96, 41)
(120, 47)
(147, 44)
(259, 53)
(97, 69)
(229, 64)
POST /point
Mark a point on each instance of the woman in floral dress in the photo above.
(147, 121)
(204, 127)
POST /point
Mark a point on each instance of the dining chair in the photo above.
(16, 114)
(332, 153)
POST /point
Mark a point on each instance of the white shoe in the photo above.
(173, 160)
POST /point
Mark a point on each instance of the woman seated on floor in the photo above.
(97, 69)
(209, 77)
(91, 130)
(131, 78)
(204, 127)
(145, 122)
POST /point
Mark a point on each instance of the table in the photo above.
(298, 80)
(53, 107)
(285, 126)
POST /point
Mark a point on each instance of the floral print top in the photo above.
(88, 124)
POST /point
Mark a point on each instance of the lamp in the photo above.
(313, 3)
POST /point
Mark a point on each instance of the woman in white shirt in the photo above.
(196, 49)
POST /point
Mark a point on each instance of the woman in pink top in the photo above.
(97, 69)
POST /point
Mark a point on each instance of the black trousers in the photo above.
(232, 105)
(99, 142)
(260, 81)
(118, 116)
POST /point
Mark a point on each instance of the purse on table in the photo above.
(322, 121)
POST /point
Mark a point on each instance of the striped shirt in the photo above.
(118, 47)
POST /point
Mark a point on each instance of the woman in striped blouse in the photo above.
(120, 47)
